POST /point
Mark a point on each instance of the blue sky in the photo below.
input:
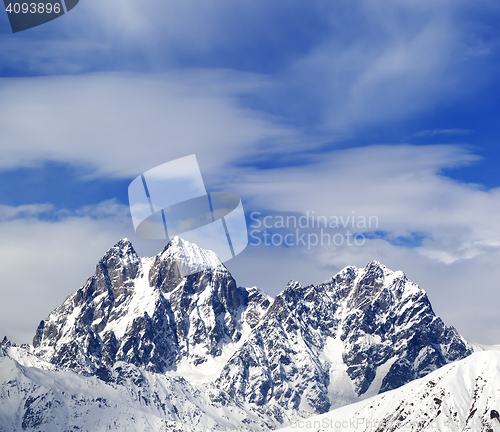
(386, 108)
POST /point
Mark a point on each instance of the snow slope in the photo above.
(36, 396)
(462, 396)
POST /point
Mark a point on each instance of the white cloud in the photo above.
(23, 211)
(401, 185)
(124, 125)
(434, 132)
(109, 209)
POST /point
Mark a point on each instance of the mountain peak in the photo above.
(376, 267)
(383, 270)
(124, 242)
(122, 249)
(190, 258)
(146, 312)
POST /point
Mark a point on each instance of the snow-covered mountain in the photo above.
(180, 352)
(461, 396)
(142, 311)
(362, 332)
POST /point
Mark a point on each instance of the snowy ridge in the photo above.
(481, 347)
(462, 396)
(55, 400)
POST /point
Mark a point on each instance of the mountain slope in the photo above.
(37, 396)
(462, 396)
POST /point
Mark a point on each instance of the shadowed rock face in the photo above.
(143, 312)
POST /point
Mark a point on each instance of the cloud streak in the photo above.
(121, 125)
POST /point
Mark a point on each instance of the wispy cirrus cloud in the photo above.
(403, 59)
(437, 132)
(24, 211)
(121, 125)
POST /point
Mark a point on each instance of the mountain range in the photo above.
(139, 347)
